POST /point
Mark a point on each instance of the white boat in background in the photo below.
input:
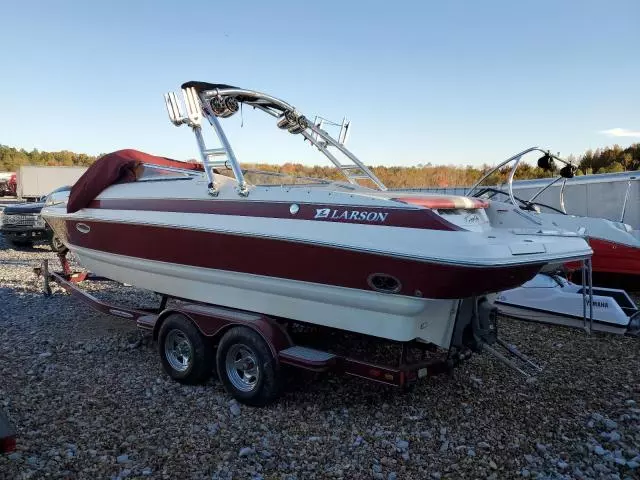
(614, 196)
(616, 247)
(554, 300)
(604, 209)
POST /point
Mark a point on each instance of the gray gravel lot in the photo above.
(89, 399)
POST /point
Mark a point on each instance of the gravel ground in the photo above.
(89, 399)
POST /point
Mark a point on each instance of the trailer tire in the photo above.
(186, 354)
(247, 368)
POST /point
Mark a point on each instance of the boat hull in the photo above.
(611, 257)
(615, 251)
(392, 317)
(554, 318)
(290, 260)
(612, 260)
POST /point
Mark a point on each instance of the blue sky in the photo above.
(426, 81)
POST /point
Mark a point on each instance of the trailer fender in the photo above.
(214, 321)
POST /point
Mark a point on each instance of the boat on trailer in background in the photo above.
(250, 255)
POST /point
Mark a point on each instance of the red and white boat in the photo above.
(337, 254)
(615, 245)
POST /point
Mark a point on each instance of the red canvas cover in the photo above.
(116, 167)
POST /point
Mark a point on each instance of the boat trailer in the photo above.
(248, 349)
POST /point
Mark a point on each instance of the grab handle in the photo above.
(83, 227)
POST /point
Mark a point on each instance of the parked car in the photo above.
(21, 224)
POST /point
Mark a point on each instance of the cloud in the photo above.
(621, 132)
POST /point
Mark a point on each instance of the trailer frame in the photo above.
(213, 322)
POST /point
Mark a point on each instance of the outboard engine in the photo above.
(476, 324)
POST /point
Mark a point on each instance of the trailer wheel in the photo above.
(186, 355)
(247, 368)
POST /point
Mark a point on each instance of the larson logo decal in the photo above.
(322, 213)
(365, 216)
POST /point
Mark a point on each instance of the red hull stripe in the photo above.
(611, 257)
(292, 260)
(359, 214)
(614, 258)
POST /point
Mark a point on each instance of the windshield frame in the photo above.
(299, 180)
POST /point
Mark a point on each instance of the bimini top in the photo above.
(204, 86)
(122, 166)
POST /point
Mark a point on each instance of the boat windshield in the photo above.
(261, 178)
(157, 172)
(493, 193)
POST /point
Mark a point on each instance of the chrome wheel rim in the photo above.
(178, 351)
(242, 367)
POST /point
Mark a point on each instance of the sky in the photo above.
(446, 82)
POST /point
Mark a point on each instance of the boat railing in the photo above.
(220, 101)
(587, 294)
(546, 162)
(626, 197)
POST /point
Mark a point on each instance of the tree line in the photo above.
(12, 158)
(606, 160)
